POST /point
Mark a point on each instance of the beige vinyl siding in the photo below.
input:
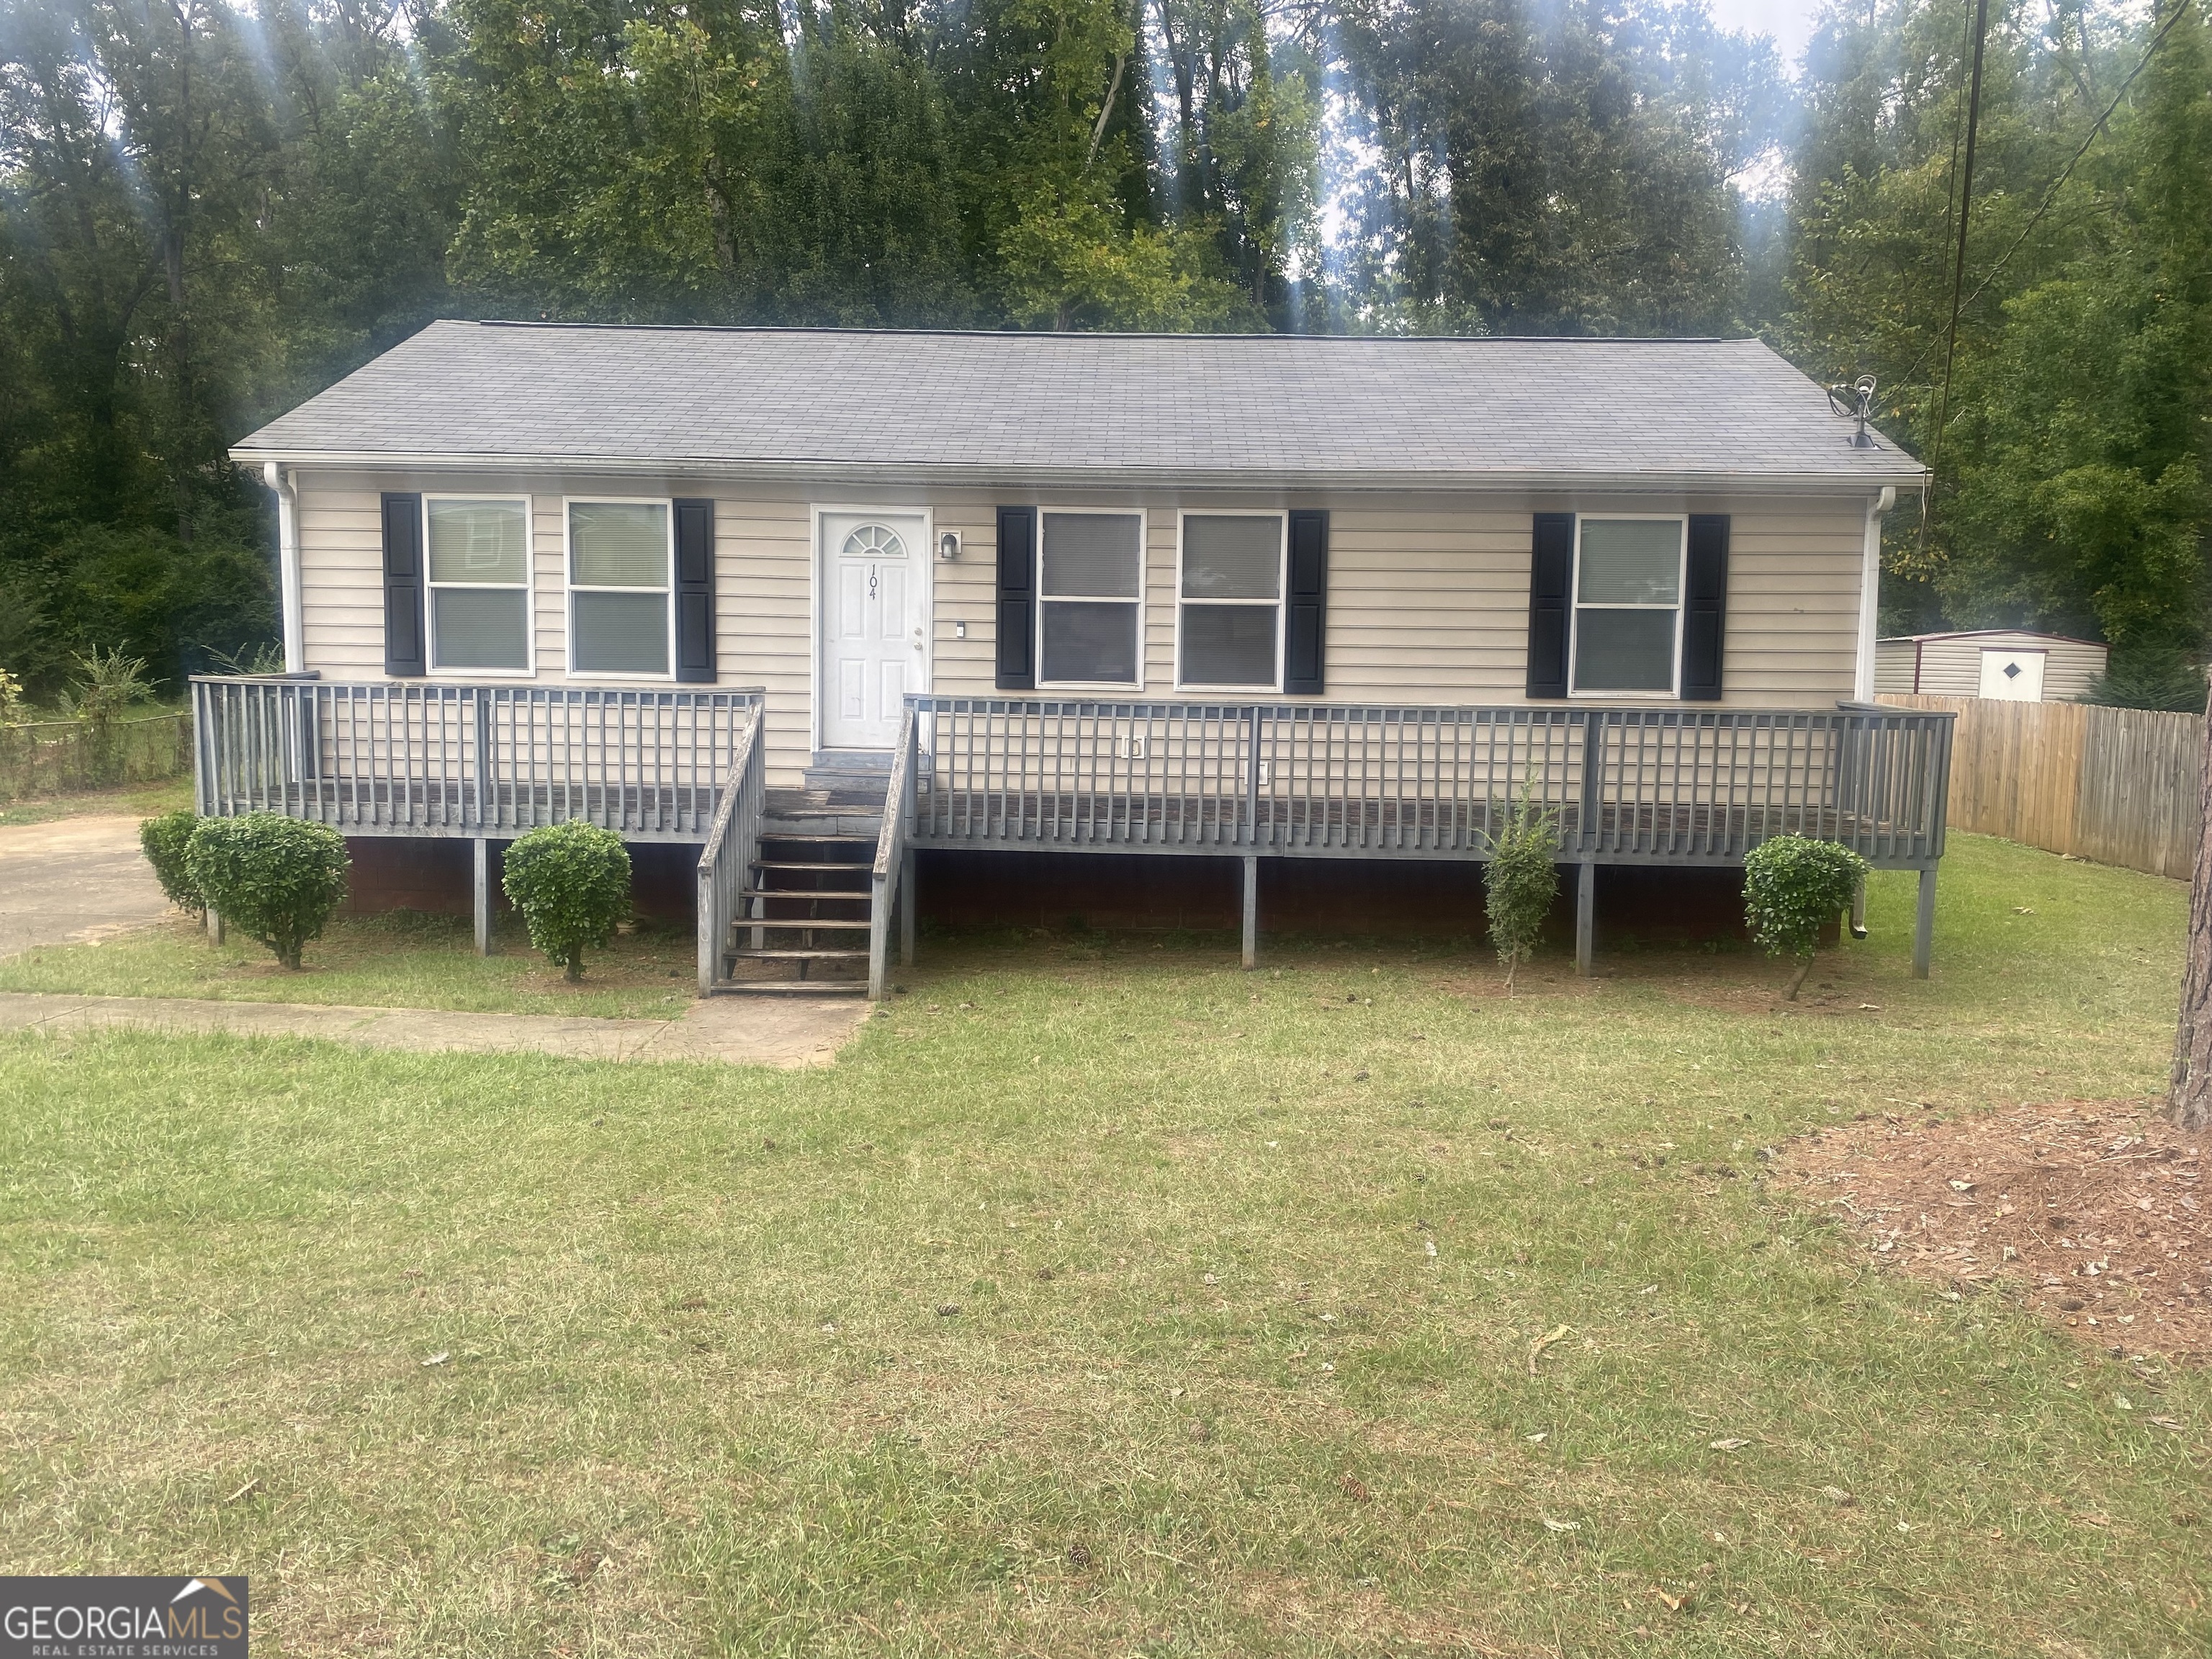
(1895, 662)
(1950, 664)
(1427, 599)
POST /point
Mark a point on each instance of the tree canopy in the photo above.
(210, 209)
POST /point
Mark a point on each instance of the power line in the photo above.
(1959, 265)
(2050, 197)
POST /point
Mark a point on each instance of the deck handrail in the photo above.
(468, 757)
(1630, 783)
(885, 878)
(725, 861)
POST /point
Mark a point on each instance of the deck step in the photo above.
(788, 922)
(790, 987)
(851, 895)
(771, 954)
(781, 864)
(819, 840)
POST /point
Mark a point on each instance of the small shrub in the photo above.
(167, 840)
(571, 882)
(14, 710)
(1521, 879)
(1792, 888)
(276, 879)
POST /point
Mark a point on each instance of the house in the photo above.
(2012, 664)
(810, 603)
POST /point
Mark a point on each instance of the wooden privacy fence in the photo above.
(2119, 785)
(52, 757)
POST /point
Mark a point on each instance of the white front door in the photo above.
(2012, 675)
(873, 641)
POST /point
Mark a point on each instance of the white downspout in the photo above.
(287, 564)
(1871, 594)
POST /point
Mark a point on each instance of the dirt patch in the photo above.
(2096, 1211)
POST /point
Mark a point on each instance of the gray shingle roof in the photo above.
(1200, 409)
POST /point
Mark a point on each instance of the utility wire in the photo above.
(2050, 197)
(1958, 264)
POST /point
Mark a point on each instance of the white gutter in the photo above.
(287, 563)
(1906, 475)
(1871, 594)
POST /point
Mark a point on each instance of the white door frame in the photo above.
(924, 600)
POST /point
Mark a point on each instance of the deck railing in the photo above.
(726, 862)
(1674, 785)
(419, 758)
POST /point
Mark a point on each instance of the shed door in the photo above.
(2012, 675)
(873, 575)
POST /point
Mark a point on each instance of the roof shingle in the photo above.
(1206, 408)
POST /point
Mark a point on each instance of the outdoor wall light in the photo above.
(948, 545)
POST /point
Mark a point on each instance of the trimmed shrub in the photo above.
(1521, 880)
(571, 882)
(167, 841)
(1792, 888)
(276, 879)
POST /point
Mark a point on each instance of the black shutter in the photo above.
(1550, 598)
(1017, 598)
(1705, 607)
(1307, 627)
(404, 653)
(695, 593)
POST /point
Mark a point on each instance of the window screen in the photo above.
(618, 569)
(1088, 613)
(1628, 594)
(479, 570)
(1231, 618)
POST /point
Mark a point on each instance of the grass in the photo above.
(142, 800)
(694, 1390)
(405, 959)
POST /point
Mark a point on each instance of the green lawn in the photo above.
(1207, 1389)
(403, 960)
(139, 799)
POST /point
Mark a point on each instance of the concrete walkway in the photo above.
(782, 1031)
(74, 880)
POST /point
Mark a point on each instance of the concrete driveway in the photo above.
(72, 880)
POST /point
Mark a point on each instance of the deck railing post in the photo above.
(1923, 923)
(1593, 796)
(1252, 781)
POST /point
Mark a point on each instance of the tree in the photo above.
(2189, 1093)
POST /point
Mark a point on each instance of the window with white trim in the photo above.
(479, 572)
(620, 557)
(1229, 620)
(1628, 604)
(1089, 598)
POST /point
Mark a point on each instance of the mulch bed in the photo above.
(2095, 1211)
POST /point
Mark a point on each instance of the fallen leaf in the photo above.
(1354, 1488)
(1731, 1444)
(1839, 1497)
(1557, 1333)
(1674, 1603)
(946, 1310)
(1550, 1525)
(1539, 1439)
(439, 1358)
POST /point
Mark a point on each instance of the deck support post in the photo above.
(1585, 916)
(1923, 923)
(213, 925)
(1251, 912)
(1858, 910)
(906, 908)
(483, 895)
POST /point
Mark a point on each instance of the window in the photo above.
(1089, 596)
(1229, 623)
(1628, 604)
(479, 582)
(619, 559)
